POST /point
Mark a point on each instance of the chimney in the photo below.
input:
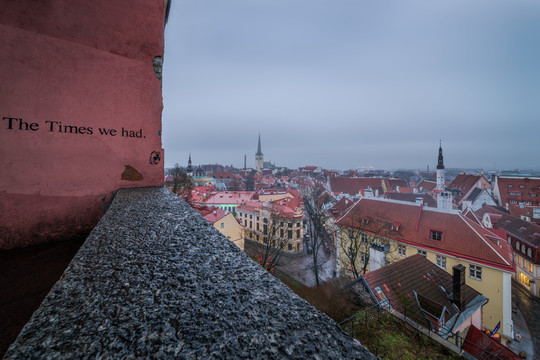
(459, 286)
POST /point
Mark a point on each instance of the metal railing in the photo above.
(412, 318)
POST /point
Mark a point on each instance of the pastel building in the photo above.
(446, 238)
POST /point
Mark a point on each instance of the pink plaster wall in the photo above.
(87, 64)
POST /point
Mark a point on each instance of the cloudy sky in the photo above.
(351, 83)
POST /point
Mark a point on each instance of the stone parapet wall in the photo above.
(154, 279)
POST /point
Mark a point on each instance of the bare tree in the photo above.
(271, 241)
(317, 220)
(366, 231)
(180, 183)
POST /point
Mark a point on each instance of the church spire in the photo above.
(440, 164)
(259, 152)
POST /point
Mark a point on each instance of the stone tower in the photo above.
(259, 162)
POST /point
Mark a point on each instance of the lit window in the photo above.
(441, 261)
(435, 235)
(402, 250)
(422, 252)
(530, 267)
(475, 272)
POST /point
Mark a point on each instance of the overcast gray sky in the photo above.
(350, 83)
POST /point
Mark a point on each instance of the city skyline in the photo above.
(351, 85)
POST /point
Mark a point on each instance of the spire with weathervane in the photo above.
(440, 170)
(259, 162)
(189, 169)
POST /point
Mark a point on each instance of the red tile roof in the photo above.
(427, 200)
(527, 190)
(461, 236)
(355, 185)
(464, 183)
(229, 197)
(340, 208)
(427, 185)
(524, 231)
(415, 273)
(483, 347)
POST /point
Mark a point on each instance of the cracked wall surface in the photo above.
(154, 279)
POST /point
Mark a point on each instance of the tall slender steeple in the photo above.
(259, 162)
(440, 170)
(189, 169)
(440, 164)
(259, 152)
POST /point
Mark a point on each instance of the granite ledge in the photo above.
(155, 280)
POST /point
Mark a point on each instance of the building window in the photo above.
(298, 234)
(533, 194)
(523, 248)
(289, 225)
(513, 193)
(257, 226)
(517, 245)
(513, 201)
(245, 223)
(363, 258)
(257, 218)
(290, 247)
(289, 234)
(475, 272)
(422, 252)
(281, 233)
(531, 268)
(435, 235)
(529, 252)
(521, 187)
(265, 229)
(441, 261)
(402, 250)
(250, 216)
(365, 220)
(222, 225)
(519, 260)
(364, 238)
(251, 224)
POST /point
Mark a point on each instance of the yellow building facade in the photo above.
(444, 237)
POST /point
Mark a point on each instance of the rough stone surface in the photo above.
(155, 280)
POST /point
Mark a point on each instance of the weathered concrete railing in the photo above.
(154, 279)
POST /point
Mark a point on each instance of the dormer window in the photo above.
(435, 235)
(365, 220)
(395, 226)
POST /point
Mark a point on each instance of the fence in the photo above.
(415, 320)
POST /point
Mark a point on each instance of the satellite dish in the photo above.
(386, 247)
